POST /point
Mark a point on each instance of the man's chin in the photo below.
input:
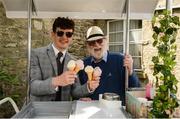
(98, 56)
(64, 47)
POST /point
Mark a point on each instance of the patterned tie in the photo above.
(60, 70)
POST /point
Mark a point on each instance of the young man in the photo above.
(50, 78)
(112, 66)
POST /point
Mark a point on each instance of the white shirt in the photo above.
(56, 51)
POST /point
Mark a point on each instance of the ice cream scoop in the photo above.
(79, 66)
(97, 72)
(89, 70)
(71, 65)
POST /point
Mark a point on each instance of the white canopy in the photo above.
(81, 9)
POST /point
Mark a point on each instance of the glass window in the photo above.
(116, 35)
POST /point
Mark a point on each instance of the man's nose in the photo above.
(64, 37)
(96, 44)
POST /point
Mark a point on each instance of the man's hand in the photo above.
(128, 62)
(93, 84)
(66, 78)
(85, 99)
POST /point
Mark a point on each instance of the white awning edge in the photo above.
(139, 9)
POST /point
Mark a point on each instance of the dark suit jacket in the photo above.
(43, 68)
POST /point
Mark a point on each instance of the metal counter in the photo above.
(69, 110)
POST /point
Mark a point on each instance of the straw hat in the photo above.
(94, 33)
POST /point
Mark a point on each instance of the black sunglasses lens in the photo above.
(99, 41)
(60, 33)
(91, 43)
(69, 34)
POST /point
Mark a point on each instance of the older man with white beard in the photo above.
(112, 65)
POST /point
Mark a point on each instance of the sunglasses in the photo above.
(92, 43)
(61, 33)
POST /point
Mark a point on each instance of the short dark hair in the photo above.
(63, 23)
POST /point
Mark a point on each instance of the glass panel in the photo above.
(137, 63)
(116, 37)
(135, 24)
(135, 35)
(135, 49)
(112, 37)
(119, 37)
(116, 26)
(116, 48)
(111, 27)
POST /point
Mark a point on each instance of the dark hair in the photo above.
(63, 23)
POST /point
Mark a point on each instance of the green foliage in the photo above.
(8, 78)
(165, 29)
(9, 88)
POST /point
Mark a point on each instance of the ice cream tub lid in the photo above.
(111, 96)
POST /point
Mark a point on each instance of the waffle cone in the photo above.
(77, 69)
(71, 68)
(89, 76)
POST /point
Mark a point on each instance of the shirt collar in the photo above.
(56, 51)
(104, 57)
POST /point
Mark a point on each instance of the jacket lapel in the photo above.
(52, 57)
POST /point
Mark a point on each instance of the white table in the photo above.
(94, 110)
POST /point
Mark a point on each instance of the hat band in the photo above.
(94, 35)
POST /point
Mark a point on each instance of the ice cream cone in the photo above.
(71, 65)
(89, 71)
(77, 69)
(79, 66)
(97, 72)
(89, 76)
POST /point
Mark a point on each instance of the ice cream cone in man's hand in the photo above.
(89, 70)
(79, 66)
(71, 65)
(75, 66)
(93, 77)
(97, 72)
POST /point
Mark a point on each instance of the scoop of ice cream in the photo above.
(89, 70)
(71, 65)
(97, 72)
(79, 66)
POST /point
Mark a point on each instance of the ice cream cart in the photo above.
(76, 9)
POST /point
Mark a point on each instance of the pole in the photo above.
(127, 40)
(29, 50)
(169, 5)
